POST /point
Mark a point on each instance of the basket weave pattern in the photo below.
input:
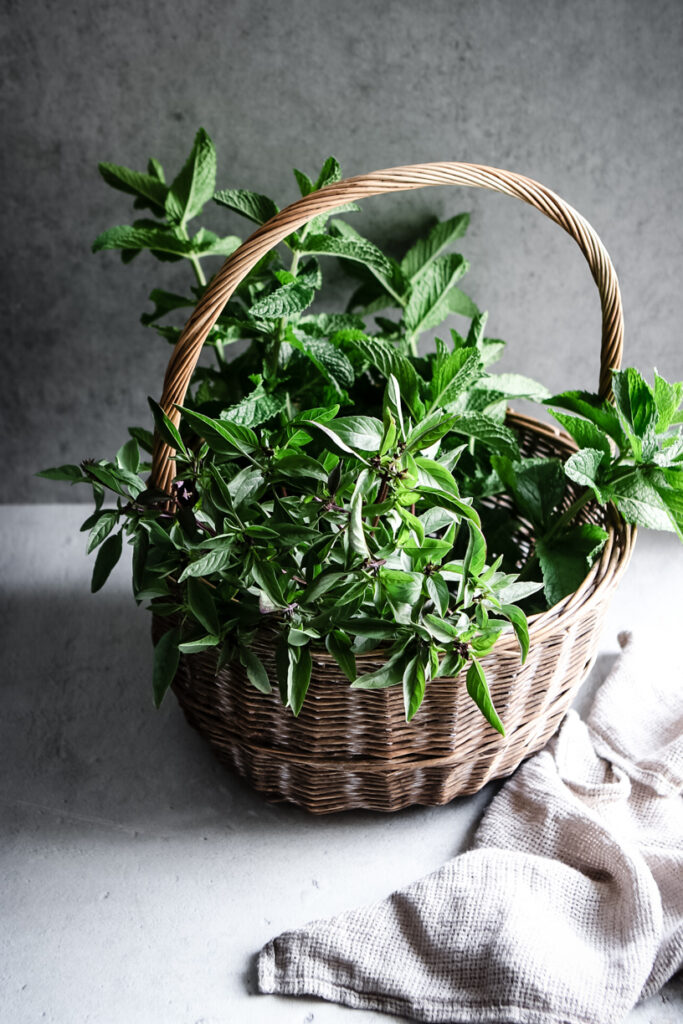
(353, 748)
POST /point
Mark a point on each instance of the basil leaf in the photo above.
(107, 557)
(477, 687)
(166, 659)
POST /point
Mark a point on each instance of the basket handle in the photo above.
(395, 179)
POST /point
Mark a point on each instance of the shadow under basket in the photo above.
(352, 749)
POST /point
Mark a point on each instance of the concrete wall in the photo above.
(584, 96)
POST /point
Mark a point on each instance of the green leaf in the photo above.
(433, 474)
(287, 300)
(202, 605)
(414, 682)
(493, 435)
(453, 373)
(537, 485)
(636, 403)
(145, 186)
(252, 205)
(362, 432)
(295, 465)
(337, 443)
(595, 409)
(107, 557)
(166, 429)
(128, 456)
(196, 646)
(269, 579)
(255, 408)
(585, 433)
(329, 173)
(514, 385)
(329, 360)
(401, 587)
(520, 626)
(212, 562)
(166, 659)
(102, 528)
(298, 677)
(195, 184)
(389, 674)
(583, 467)
(357, 542)
(566, 559)
(68, 473)
(305, 184)
(388, 360)
(222, 435)
(145, 438)
(338, 644)
(427, 306)
(425, 250)
(668, 398)
(256, 673)
(129, 237)
(353, 248)
(640, 502)
(478, 690)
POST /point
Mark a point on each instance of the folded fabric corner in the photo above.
(569, 907)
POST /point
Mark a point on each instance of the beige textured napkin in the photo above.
(569, 907)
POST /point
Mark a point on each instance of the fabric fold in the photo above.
(569, 907)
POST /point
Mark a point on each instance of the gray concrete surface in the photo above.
(138, 877)
(584, 96)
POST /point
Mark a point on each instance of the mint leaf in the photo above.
(453, 373)
(425, 250)
(195, 184)
(135, 238)
(636, 403)
(594, 409)
(496, 437)
(388, 360)
(537, 485)
(287, 300)
(585, 433)
(147, 187)
(353, 248)
(668, 398)
(427, 306)
(329, 360)
(640, 502)
(565, 561)
(514, 385)
(252, 205)
(583, 467)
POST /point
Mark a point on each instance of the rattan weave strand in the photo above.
(352, 748)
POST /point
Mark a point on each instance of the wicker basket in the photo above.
(353, 748)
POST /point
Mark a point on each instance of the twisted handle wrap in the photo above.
(234, 270)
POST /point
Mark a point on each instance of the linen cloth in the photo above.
(569, 907)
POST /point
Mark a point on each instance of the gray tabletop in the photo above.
(138, 876)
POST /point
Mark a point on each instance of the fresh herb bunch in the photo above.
(332, 484)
